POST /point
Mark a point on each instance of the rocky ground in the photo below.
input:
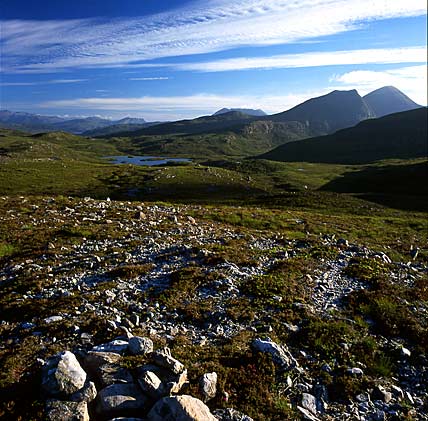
(249, 322)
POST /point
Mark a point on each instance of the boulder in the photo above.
(109, 374)
(281, 356)
(163, 358)
(120, 400)
(86, 394)
(94, 360)
(62, 375)
(66, 411)
(208, 385)
(151, 385)
(140, 346)
(180, 408)
(171, 383)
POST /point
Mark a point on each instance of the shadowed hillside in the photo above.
(401, 135)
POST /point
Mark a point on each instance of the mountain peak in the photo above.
(328, 113)
(389, 100)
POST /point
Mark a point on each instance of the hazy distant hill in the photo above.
(115, 129)
(328, 113)
(388, 100)
(35, 123)
(402, 135)
(248, 111)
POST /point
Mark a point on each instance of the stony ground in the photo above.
(84, 272)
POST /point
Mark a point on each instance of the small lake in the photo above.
(144, 160)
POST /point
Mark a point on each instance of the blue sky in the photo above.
(181, 59)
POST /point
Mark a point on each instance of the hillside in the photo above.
(389, 100)
(401, 135)
(204, 124)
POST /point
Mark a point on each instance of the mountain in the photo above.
(131, 120)
(401, 135)
(388, 100)
(248, 111)
(27, 122)
(35, 123)
(328, 113)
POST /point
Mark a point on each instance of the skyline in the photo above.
(191, 58)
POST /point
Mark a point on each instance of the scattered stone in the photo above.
(180, 408)
(231, 414)
(140, 346)
(309, 402)
(380, 393)
(52, 319)
(63, 375)
(208, 385)
(280, 353)
(66, 411)
(405, 352)
(307, 414)
(355, 371)
(118, 347)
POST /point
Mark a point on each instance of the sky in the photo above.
(167, 60)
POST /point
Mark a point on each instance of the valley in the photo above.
(285, 253)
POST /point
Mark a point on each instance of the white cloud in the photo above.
(196, 28)
(149, 78)
(48, 82)
(411, 80)
(314, 59)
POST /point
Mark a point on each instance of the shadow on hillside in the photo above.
(397, 186)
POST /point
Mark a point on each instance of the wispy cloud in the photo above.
(149, 78)
(174, 107)
(48, 82)
(412, 80)
(199, 27)
(314, 59)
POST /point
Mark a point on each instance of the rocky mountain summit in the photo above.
(155, 311)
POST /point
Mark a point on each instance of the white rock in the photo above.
(180, 408)
(63, 375)
(280, 354)
(117, 346)
(208, 385)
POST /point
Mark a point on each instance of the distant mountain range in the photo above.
(322, 115)
(395, 136)
(35, 123)
(317, 116)
(248, 111)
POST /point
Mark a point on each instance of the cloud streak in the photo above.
(198, 28)
(314, 59)
(48, 82)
